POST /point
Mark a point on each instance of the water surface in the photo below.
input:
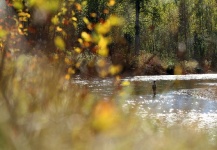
(185, 99)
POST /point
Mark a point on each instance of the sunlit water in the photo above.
(185, 99)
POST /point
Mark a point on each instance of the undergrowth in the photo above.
(42, 109)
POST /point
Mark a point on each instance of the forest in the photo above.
(45, 45)
(181, 34)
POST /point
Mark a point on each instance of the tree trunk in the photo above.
(183, 28)
(137, 28)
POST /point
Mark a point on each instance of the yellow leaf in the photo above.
(3, 33)
(50, 5)
(59, 42)
(54, 6)
(103, 28)
(22, 14)
(86, 20)
(84, 3)
(103, 52)
(73, 13)
(71, 71)
(64, 10)
(78, 50)
(67, 76)
(20, 25)
(90, 26)
(78, 6)
(111, 3)
(115, 69)
(22, 19)
(59, 29)
(80, 40)
(55, 20)
(115, 20)
(103, 43)
(105, 116)
(75, 24)
(32, 2)
(20, 31)
(68, 61)
(18, 5)
(125, 83)
(28, 15)
(74, 19)
(86, 36)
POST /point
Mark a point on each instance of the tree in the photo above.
(137, 27)
(183, 28)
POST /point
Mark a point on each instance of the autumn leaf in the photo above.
(77, 50)
(105, 116)
(115, 69)
(86, 36)
(78, 6)
(103, 28)
(18, 5)
(125, 83)
(3, 33)
(111, 3)
(74, 19)
(86, 20)
(115, 20)
(71, 71)
(67, 76)
(59, 42)
(103, 43)
(55, 20)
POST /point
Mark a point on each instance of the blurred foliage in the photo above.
(47, 111)
(44, 43)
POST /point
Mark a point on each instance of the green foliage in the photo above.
(163, 26)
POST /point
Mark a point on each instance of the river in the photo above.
(185, 99)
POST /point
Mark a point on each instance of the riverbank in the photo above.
(143, 64)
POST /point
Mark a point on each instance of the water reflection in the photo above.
(190, 99)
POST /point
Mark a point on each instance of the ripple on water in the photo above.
(191, 103)
(185, 111)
